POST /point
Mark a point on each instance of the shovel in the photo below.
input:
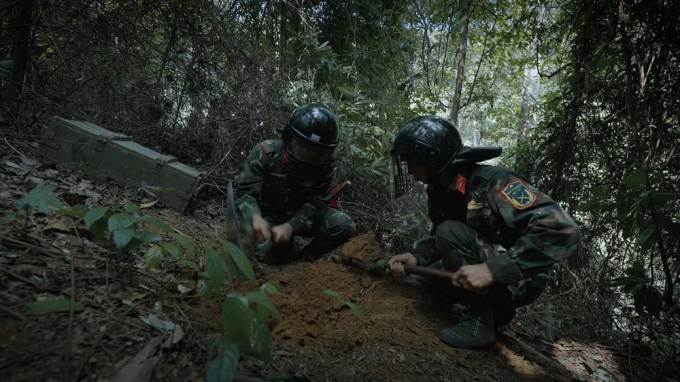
(380, 268)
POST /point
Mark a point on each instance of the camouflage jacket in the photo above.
(534, 229)
(271, 191)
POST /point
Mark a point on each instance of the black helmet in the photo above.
(311, 136)
(434, 144)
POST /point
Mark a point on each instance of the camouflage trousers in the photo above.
(331, 231)
(458, 244)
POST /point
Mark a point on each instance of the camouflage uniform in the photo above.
(492, 207)
(271, 191)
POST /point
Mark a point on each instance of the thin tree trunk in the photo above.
(455, 102)
(21, 52)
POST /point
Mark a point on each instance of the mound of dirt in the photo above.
(395, 340)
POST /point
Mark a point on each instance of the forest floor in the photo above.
(139, 324)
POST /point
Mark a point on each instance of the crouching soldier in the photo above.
(285, 190)
(474, 210)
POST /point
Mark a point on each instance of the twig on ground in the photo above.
(19, 277)
(46, 251)
(69, 336)
(535, 353)
(12, 313)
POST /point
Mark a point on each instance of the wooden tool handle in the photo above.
(428, 272)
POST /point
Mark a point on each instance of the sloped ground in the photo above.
(156, 317)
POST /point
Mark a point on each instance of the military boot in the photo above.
(475, 331)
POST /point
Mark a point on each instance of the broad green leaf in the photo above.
(224, 367)
(186, 242)
(132, 209)
(622, 281)
(240, 260)
(603, 63)
(42, 191)
(262, 341)
(99, 229)
(637, 179)
(157, 222)
(663, 197)
(646, 234)
(146, 237)
(172, 249)
(354, 308)
(269, 288)
(54, 306)
(346, 91)
(597, 192)
(331, 293)
(8, 219)
(215, 268)
(262, 299)
(121, 220)
(229, 266)
(153, 256)
(322, 46)
(654, 301)
(236, 319)
(123, 236)
(203, 288)
(634, 287)
(42, 202)
(189, 264)
(93, 215)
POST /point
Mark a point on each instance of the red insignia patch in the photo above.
(461, 182)
(284, 157)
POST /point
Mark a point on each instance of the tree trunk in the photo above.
(455, 102)
(21, 52)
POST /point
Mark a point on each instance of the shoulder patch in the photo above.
(519, 195)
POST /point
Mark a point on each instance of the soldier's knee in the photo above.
(342, 224)
(453, 231)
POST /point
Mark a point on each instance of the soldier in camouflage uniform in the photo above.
(500, 235)
(285, 188)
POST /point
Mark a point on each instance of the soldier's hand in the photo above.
(397, 262)
(260, 229)
(281, 234)
(476, 278)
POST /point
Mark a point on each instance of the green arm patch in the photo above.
(519, 195)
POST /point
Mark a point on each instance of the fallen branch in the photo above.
(538, 355)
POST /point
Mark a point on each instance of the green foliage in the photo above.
(243, 318)
(39, 198)
(224, 367)
(631, 212)
(342, 302)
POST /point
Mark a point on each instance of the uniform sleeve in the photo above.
(318, 201)
(250, 187)
(548, 234)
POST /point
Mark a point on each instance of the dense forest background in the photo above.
(584, 96)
